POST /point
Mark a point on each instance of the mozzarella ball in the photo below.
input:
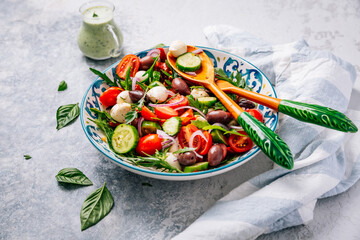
(140, 76)
(177, 48)
(123, 97)
(158, 94)
(118, 112)
(172, 160)
(199, 92)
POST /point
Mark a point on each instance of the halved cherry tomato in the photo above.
(163, 66)
(130, 60)
(108, 98)
(185, 134)
(182, 101)
(205, 145)
(149, 144)
(240, 144)
(187, 116)
(162, 54)
(256, 113)
(165, 112)
(147, 114)
(112, 124)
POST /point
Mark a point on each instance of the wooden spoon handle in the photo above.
(268, 141)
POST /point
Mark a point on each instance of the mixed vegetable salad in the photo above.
(153, 118)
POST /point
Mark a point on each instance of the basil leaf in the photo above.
(62, 86)
(214, 127)
(95, 207)
(183, 150)
(27, 157)
(67, 114)
(74, 176)
(160, 45)
(200, 123)
(104, 77)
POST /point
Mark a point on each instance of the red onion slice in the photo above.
(198, 155)
(153, 53)
(193, 108)
(236, 127)
(141, 119)
(164, 135)
(165, 104)
(134, 80)
(170, 93)
(222, 125)
(191, 73)
(197, 51)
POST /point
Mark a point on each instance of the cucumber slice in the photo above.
(200, 166)
(188, 62)
(172, 126)
(148, 127)
(218, 136)
(207, 101)
(125, 138)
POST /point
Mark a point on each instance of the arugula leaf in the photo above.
(183, 150)
(27, 157)
(200, 123)
(151, 69)
(196, 104)
(95, 207)
(220, 74)
(74, 176)
(232, 131)
(107, 80)
(128, 80)
(130, 116)
(166, 73)
(67, 114)
(97, 111)
(235, 79)
(157, 160)
(103, 123)
(214, 127)
(219, 106)
(62, 86)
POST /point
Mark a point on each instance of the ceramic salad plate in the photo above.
(255, 79)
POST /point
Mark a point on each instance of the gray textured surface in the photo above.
(38, 50)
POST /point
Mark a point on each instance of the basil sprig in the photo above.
(67, 114)
(27, 157)
(95, 207)
(62, 86)
(73, 176)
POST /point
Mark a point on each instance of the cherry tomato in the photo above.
(165, 112)
(164, 67)
(130, 60)
(240, 144)
(185, 134)
(147, 114)
(205, 145)
(108, 98)
(162, 54)
(182, 101)
(149, 144)
(187, 116)
(112, 124)
(256, 113)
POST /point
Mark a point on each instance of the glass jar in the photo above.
(99, 38)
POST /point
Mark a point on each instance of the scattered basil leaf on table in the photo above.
(74, 176)
(66, 114)
(27, 157)
(62, 86)
(95, 207)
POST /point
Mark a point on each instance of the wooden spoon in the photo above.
(270, 143)
(305, 112)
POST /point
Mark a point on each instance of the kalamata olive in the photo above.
(187, 158)
(135, 122)
(219, 116)
(215, 155)
(244, 103)
(146, 62)
(180, 85)
(136, 95)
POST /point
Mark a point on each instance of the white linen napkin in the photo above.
(327, 162)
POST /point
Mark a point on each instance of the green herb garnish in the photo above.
(184, 150)
(73, 176)
(62, 86)
(67, 114)
(95, 15)
(27, 157)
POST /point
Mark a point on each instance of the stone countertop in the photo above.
(38, 49)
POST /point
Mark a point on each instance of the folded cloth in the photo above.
(327, 162)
